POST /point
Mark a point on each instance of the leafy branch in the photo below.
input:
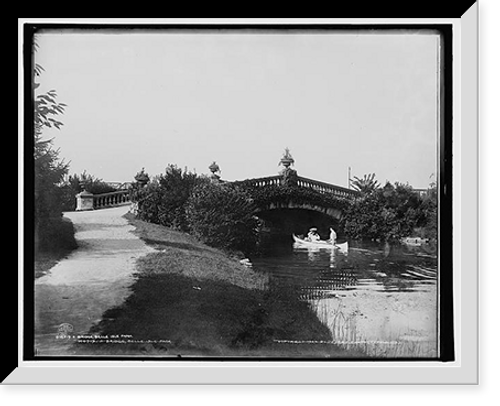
(365, 185)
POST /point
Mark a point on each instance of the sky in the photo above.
(148, 99)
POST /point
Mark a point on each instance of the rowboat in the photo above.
(319, 244)
(414, 241)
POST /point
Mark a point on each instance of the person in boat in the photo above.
(333, 236)
(313, 235)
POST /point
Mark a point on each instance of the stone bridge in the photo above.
(286, 202)
(334, 192)
(288, 206)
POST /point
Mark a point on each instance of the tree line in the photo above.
(391, 212)
(222, 214)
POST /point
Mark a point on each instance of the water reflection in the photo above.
(373, 293)
(312, 253)
(327, 282)
(383, 268)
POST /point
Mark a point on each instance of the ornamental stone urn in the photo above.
(142, 178)
(287, 159)
(214, 168)
(289, 175)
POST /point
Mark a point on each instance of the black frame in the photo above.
(445, 247)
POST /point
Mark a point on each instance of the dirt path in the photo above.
(94, 278)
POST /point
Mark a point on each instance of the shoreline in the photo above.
(191, 300)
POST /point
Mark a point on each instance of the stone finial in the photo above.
(215, 169)
(83, 185)
(288, 175)
(142, 178)
(286, 159)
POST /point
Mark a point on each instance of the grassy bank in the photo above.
(191, 300)
(181, 254)
(53, 242)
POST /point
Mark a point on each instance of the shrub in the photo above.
(387, 214)
(58, 237)
(163, 200)
(222, 216)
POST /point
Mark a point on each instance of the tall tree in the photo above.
(49, 168)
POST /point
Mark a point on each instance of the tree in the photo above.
(385, 214)
(429, 227)
(49, 168)
(366, 185)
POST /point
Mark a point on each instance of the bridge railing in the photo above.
(263, 182)
(111, 199)
(319, 186)
(89, 201)
(324, 187)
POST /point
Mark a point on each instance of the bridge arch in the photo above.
(334, 213)
(281, 220)
(293, 204)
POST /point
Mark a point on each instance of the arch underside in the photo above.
(329, 211)
(285, 221)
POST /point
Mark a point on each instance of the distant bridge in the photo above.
(120, 185)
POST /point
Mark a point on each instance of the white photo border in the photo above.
(464, 370)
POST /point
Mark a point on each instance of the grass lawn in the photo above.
(193, 300)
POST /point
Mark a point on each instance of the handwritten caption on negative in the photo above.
(108, 339)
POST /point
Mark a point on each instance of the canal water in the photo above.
(378, 298)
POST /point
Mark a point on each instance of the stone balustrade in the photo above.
(263, 182)
(88, 201)
(111, 199)
(321, 187)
